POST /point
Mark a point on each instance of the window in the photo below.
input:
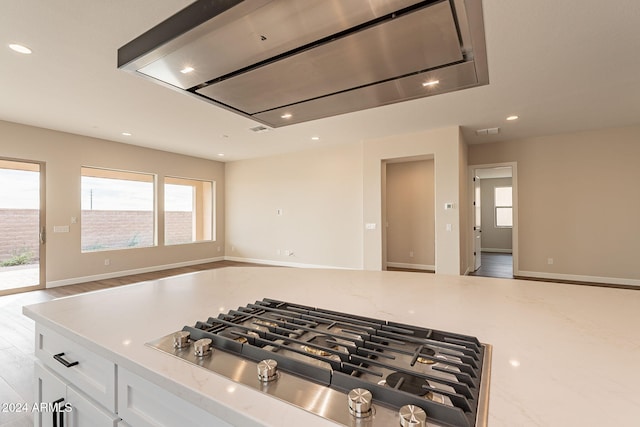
(117, 209)
(504, 208)
(188, 210)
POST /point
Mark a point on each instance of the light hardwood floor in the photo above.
(17, 334)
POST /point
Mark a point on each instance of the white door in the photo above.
(477, 230)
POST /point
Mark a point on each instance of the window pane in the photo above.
(188, 211)
(117, 210)
(504, 217)
(503, 196)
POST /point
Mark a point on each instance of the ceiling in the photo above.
(561, 66)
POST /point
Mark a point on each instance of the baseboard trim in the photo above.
(284, 264)
(412, 266)
(577, 279)
(75, 280)
(497, 250)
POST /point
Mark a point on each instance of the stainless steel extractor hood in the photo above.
(282, 62)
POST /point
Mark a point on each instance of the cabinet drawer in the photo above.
(144, 404)
(93, 374)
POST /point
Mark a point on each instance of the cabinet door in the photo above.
(84, 412)
(49, 389)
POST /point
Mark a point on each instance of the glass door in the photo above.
(22, 226)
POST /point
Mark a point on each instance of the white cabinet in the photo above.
(89, 372)
(144, 404)
(77, 388)
(61, 404)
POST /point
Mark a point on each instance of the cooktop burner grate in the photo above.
(443, 373)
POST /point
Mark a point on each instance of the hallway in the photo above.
(495, 264)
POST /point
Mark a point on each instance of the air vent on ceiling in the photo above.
(259, 129)
(282, 62)
(488, 131)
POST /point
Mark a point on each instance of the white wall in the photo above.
(446, 148)
(579, 203)
(410, 220)
(320, 194)
(494, 239)
(328, 195)
(64, 154)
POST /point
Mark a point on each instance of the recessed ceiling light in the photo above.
(220, 154)
(512, 118)
(186, 70)
(431, 83)
(126, 134)
(287, 116)
(315, 138)
(19, 48)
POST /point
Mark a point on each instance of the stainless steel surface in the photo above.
(267, 370)
(412, 416)
(360, 402)
(285, 25)
(355, 371)
(181, 339)
(315, 58)
(482, 414)
(450, 78)
(429, 40)
(315, 398)
(202, 347)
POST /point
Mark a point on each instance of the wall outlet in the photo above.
(107, 261)
(74, 220)
(287, 253)
(233, 248)
(550, 261)
(279, 212)
(219, 248)
(449, 227)
(277, 251)
(410, 254)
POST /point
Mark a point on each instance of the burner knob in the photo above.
(412, 416)
(267, 370)
(202, 347)
(181, 339)
(360, 402)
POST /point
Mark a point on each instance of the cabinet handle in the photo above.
(60, 415)
(66, 363)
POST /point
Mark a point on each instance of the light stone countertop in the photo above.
(563, 355)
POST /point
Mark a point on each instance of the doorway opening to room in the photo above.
(22, 227)
(408, 214)
(495, 225)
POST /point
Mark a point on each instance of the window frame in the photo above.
(207, 228)
(496, 206)
(104, 173)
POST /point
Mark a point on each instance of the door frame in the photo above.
(42, 253)
(514, 229)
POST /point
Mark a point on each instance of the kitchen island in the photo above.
(563, 355)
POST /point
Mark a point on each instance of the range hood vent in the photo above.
(282, 62)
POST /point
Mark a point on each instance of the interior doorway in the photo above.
(22, 227)
(495, 225)
(408, 214)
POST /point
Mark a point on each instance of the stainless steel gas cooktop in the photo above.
(353, 370)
